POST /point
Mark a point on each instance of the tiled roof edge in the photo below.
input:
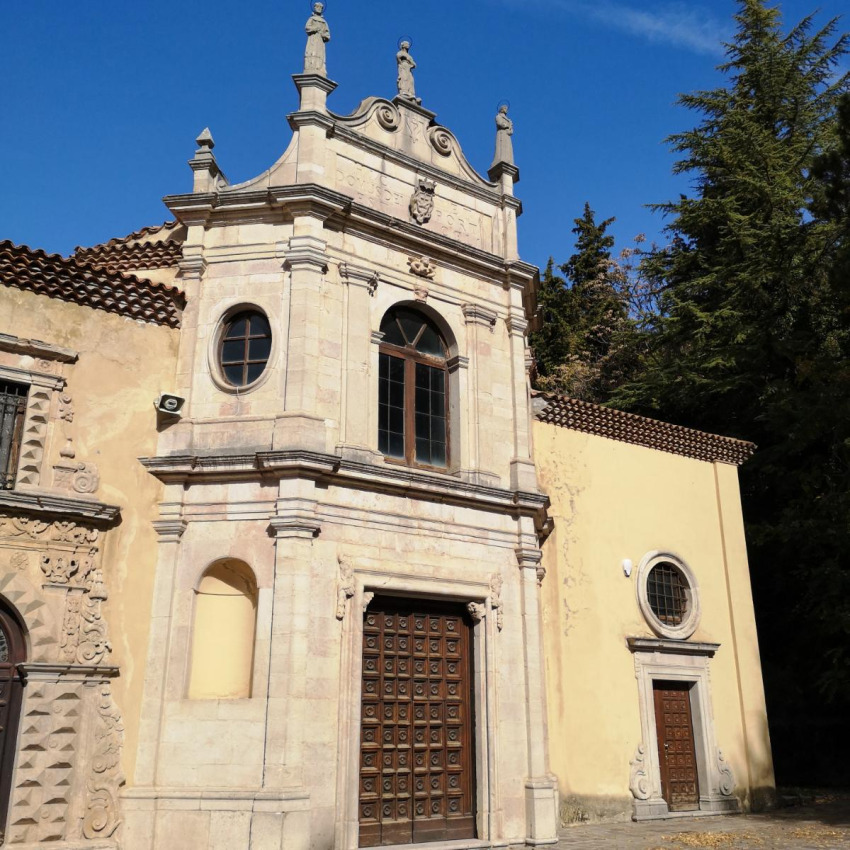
(615, 424)
(122, 257)
(149, 230)
(69, 280)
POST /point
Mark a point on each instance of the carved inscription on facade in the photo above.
(371, 188)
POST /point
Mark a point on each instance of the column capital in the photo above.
(169, 530)
(478, 315)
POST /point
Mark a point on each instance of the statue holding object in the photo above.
(406, 86)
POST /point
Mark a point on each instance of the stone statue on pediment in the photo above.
(318, 34)
(504, 131)
(406, 85)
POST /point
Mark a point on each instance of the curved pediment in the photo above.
(407, 128)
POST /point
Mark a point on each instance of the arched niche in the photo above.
(12, 653)
(224, 631)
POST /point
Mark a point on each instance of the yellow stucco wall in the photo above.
(123, 366)
(613, 501)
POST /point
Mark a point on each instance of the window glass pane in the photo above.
(396, 445)
(237, 326)
(260, 325)
(233, 374)
(423, 450)
(259, 349)
(383, 441)
(392, 332)
(423, 377)
(411, 324)
(255, 370)
(396, 424)
(438, 453)
(438, 380)
(423, 399)
(396, 369)
(438, 429)
(233, 351)
(423, 426)
(430, 342)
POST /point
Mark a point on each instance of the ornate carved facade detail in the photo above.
(48, 751)
(388, 116)
(101, 818)
(639, 783)
(66, 407)
(726, 785)
(477, 610)
(346, 587)
(422, 201)
(422, 267)
(367, 598)
(59, 569)
(496, 582)
(35, 436)
(19, 561)
(441, 140)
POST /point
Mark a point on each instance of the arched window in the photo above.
(12, 653)
(413, 388)
(223, 634)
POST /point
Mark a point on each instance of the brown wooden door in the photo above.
(12, 652)
(676, 754)
(416, 756)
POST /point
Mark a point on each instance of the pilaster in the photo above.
(523, 474)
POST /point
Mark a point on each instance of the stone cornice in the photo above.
(315, 81)
(667, 646)
(430, 486)
(308, 118)
(37, 348)
(57, 507)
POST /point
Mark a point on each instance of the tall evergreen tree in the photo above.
(751, 333)
(584, 315)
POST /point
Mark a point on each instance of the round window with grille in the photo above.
(242, 348)
(667, 595)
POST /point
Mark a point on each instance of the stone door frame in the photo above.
(674, 661)
(367, 583)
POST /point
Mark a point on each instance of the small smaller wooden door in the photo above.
(12, 653)
(676, 752)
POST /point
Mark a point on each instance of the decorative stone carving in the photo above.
(422, 201)
(422, 267)
(59, 569)
(94, 645)
(70, 638)
(504, 131)
(86, 479)
(66, 407)
(35, 434)
(404, 81)
(318, 35)
(541, 574)
(367, 598)
(639, 783)
(101, 819)
(19, 561)
(496, 582)
(441, 140)
(420, 293)
(388, 116)
(346, 586)
(49, 750)
(726, 784)
(477, 610)
(67, 451)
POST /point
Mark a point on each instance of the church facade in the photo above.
(290, 555)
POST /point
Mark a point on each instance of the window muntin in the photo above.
(13, 405)
(245, 347)
(667, 592)
(412, 390)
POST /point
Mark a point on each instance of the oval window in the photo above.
(667, 595)
(246, 344)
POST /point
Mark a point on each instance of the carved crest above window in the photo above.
(422, 202)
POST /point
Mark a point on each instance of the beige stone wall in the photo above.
(613, 501)
(123, 366)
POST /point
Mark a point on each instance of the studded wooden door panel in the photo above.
(676, 755)
(416, 769)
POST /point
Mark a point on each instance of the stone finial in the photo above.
(208, 176)
(404, 81)
(318, 35)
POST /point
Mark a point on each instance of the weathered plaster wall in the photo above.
(123, 366)
(612, 501)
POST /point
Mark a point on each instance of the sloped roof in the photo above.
(70, 280)
(156, 247)
(614, 424)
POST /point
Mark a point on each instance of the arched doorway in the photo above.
(12, 653)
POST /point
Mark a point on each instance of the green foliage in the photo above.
(752, 332)
(580, 348)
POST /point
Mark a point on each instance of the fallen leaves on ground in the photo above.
(716, 839)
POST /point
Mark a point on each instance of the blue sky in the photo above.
(103, 100)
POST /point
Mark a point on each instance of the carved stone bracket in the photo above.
(639, 783)
(531, 559)
(475, 314)
(367, 598)
(477, 610)
(496, 582)
(346, 586)
(353, 274)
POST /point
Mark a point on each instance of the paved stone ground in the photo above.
(822, 822)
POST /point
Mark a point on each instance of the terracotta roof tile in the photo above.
(135, 236)
(69, 280)
(122, 258)
(639, 430)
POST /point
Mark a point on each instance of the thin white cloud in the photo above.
(684, 25)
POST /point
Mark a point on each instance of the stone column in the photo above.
(523, 474)
(356, 397)
(541, 793)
